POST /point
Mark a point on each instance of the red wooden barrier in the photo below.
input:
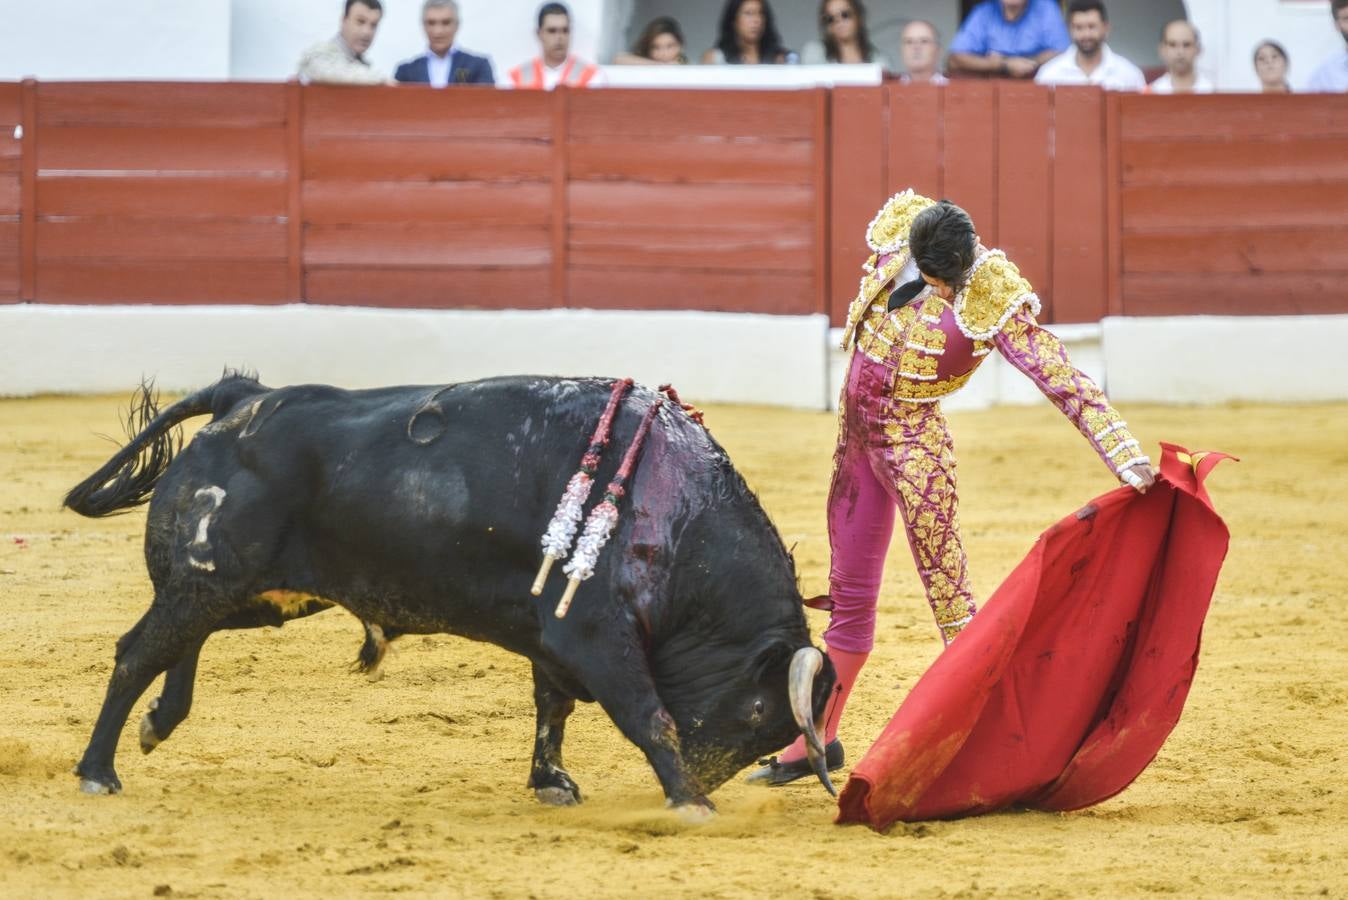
(722, 200)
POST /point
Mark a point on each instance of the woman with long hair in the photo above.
(1270, 64)
(661, 43)
(843, 37)
(748, 36)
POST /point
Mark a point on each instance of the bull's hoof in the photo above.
(557, 796)
(696, 812)
(149, 738)
(98, 782)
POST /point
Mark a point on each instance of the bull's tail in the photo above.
(128, 479)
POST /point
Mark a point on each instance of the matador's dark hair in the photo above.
(943, 241)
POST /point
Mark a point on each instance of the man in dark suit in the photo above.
(444, 64)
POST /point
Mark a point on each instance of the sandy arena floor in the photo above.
(294, 778)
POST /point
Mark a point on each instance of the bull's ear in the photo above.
(775, 655)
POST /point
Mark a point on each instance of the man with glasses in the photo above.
(556, 65)
(920, 47)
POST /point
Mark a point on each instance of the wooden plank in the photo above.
(417, 159)
(916, 139)
(167, 149)
(857, 188)
(1203, 207)
(714, 160)
(11, 116)
(1113, 207)
(160, 239)
(176, 104)
(820, 186)
(689, 205)
(712, 247)
(162, 196)
(1024, 182)
(510, 287)
(386, 112)
(1221, 117)
(1237, 163)
(971, 152)
(11, 195)
(559, 205)
(412, 202)
(295, 190)
(758, 292)
(9, 262)
(28, 195)
(691, 115)
(1252, 251)
(190, 282)
(468, 245)
(1280, 293)
(1080, 286)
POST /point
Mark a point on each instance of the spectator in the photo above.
(747, 36)
(1012, 38)
(1270, 65)
(1090, 61)
(1332, 76)
(1180, 47)
(556, 65)
(661, 43)
(920, 45)
(443, 63)
(341, 59)
(843, 37)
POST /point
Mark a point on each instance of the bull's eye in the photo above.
(758, 707)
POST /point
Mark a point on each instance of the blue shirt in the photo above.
(986, 30)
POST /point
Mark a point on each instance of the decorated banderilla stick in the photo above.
(603, 518)
(562, 529)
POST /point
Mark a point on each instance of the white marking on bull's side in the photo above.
(202, 540)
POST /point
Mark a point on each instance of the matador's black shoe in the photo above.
(774, 773)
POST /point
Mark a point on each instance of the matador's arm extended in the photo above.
(1041, 356)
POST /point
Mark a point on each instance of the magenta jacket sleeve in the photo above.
(1041, 356)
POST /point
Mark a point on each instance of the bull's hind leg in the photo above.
(173, 704)
(551, 783)
(160, 640)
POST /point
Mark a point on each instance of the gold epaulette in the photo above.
(886, 235)
(993, 294)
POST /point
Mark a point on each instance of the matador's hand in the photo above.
(1139, 477)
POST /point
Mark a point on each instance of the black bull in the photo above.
(419, 510)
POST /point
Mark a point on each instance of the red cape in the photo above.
(1064, 686)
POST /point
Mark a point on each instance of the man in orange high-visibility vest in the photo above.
(556, 65)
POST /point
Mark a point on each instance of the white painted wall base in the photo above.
(1220, 359)
(709, 357)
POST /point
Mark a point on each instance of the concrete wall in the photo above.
(1232, 28)
(89, 39)
(720, 357)
(711, 357)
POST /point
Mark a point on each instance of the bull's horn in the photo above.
(805, 665)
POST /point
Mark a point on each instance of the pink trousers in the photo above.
(892, 456)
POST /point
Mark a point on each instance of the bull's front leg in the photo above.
(616, 673)
(551, 783)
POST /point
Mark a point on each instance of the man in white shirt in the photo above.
(1179, 50)
(920, 47)
(1332, 76)
(341, 59)
(1089, 60)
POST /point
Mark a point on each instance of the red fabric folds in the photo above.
(1066, 684)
